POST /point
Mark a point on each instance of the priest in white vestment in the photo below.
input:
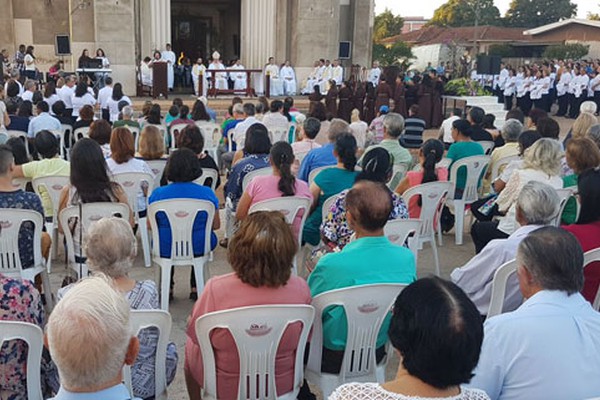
(312, 79)
(220, 77)
(146, 72)
(289, 79)
(169, 56)
(326, 76)
(374, 74)
(337, 72)
(272, 72)
(239, 78)
(199, 72)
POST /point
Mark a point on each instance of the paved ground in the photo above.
(451, 256)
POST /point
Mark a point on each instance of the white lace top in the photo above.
(373, 391)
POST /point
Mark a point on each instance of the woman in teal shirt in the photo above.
(330, 182)
(462, 147)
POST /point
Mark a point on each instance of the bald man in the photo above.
(370, 259)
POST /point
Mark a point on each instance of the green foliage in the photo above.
(530, 14)
(573, 51)
(386, 24)
(398, 54)
(502, 50)
(464, 87)
(594, 16)
(463, 12)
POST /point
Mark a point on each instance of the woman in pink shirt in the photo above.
(281, 184)
(261, 254)
(430, 154)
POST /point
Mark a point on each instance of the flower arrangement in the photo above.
(464, 87)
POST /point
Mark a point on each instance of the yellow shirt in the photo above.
(47, 167)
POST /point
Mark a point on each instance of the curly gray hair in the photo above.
(111, 247)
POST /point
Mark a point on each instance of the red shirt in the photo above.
(589, 239)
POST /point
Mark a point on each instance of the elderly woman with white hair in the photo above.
(510, 132)
(111, 248)
(541, 164)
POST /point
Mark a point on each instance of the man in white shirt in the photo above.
(275, 118)
(547, 348)
(239, 133)
(103, 95)
(446, 128)
(66, 92)
(537, 206)
(30, 88)
(199, 72)
(374, 74)
(272, 72)
(170, 57)
(562, 88)
(43, 121)
(239, 78)
(289, 79)
(220, 80)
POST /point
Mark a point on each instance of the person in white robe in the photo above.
(374, 74)
(169, 56)
(146, 72)
(239, 78)
(199, 72)
(289, 79)
(272, 72)
(220, 77)
(312, 79)
(337, 72)
(326, 76)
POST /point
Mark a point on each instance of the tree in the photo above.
(386, 24)
(398, 54)
(575, 51)
(534, 13)
(594, 16)
(463, 13)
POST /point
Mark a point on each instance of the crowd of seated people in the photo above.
(543, 345)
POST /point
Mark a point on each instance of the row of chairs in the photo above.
(277, 133)
(257, 331)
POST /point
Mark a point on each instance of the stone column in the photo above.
(160, 11)
(258, 31)
(362, 46)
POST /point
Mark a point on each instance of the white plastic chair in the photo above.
(161, 320)
(475, 168)
(398, 231)
(564, 195)
(132, 183)
(279, 133)
(230, 139)
(60, 135)
(327, 206)
(501, 276)
(588, 258)
(11, 220)
(366, 307)
(300, 156)
(21, 134)
(211, 132)
(64, 146)
(488, 146)
(157, 167)
(398, 172)
(84, 132)
(177, 128)
(180, 214)
(257, 332)
(499, 166)
(53, 186)
(88, 214)
(444, 163)
(313, 174)
(208, 173)
(252, 174)
(135, 131)
(290, 207)
(33, 336)
(21, 183)
(433, 197)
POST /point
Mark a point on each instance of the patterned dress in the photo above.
(374, 391)
(19, 301)
(233, 187)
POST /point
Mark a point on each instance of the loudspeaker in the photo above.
(488, 65)
(344, 50)
(62, 45)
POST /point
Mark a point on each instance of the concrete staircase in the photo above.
(490, 105)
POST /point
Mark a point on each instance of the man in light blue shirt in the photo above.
(549, 348)
(323, 156)
(89, 338)
(43, 121)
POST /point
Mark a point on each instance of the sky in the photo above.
(426, 8)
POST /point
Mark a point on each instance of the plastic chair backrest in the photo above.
(157, 167)
(499, 166)
(475, 168)
(84, 131)
(208, 173)
(488, 146)
(366, 307)
(563, 195)
(444, 163)
(433, 196)
(132, 183)
(398, 231)
(175, 130)
(21, 134)
(327, 206)
(11, 220)
(160, 319)
(230, 139)
(33, 336)
(21, 183)
(252, 174)
(501, 276)
(313, 174)
(53, 185)
(257, 332)
(135, 131)
(588, 258)
(211, 133)
(90, 213)
(181, 214)
(398, 172)
(300, 156)
(278, 133)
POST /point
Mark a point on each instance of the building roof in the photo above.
(439, 35)
(560, 24)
